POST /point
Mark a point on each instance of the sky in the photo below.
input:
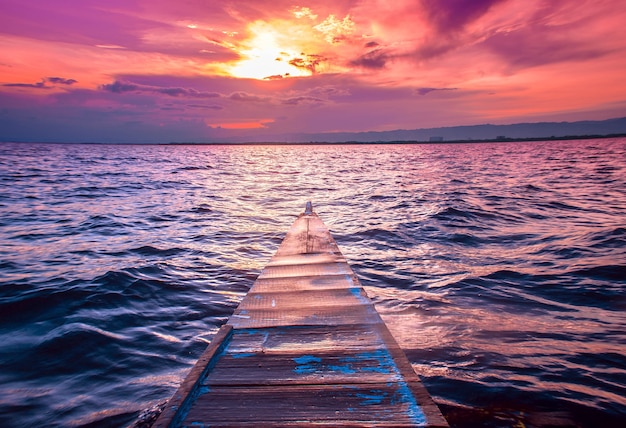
(207, 71)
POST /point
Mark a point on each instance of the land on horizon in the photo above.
(473, 133)
(543, 131)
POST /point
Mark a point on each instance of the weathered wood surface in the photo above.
(305, 347)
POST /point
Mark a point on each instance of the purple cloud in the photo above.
(425, 91)
(375, 59)
(453, 15)
(449, 19)
(38, 85)
(61, 80)
(539, 45)
(211, 107)
(42, 84)
(119, 87)
(246, 97)
(303, 100)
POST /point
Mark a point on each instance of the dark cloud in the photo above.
(308, 62)
(38, 85)
(541, 45)
(61, 81)
(375, 59)
(425, 91)
(435, 48)
(42, 84)
(211, 107)
(120, 87)
(328, 91)
(244, 96)
(371, 44)
(303, 100)
(453, 15)
(449, 19)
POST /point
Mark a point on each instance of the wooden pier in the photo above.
(305, 347)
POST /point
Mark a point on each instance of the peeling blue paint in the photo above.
(307, 364)
(356, 291)
(306, 359)
(345, 369)
(374, 397)
(378, 361)
(414, 411)
(243, 354)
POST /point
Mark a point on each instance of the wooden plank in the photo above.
(306, 339)
(318, 269)
(305, 298)
(386, 404)
(324, 315)
(302, 283)
(270, 357)
(305, 346)
(297, 369)
(306, 258)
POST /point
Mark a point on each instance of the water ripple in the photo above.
(500, 269)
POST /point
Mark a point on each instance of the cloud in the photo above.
(43, 84)
(425, 91)
(61, 80)
(211, 107)
(246, 97)
(335, 30)
(553, 33)
(530, 48)
(308, 62)
(375, 59)
(304, 12)
(453, 15)
(242, 125)
(328, 91)
(119, 87)
(38, 85)
(303, 100)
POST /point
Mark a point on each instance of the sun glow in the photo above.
(248, 124)
(301, 46)
(268, 54)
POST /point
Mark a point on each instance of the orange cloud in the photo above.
(251, 124)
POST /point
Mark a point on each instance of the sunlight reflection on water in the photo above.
(498, 267)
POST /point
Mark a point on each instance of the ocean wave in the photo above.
(499, 268)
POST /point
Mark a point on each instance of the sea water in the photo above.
(500, 269)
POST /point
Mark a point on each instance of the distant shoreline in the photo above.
(391, 142)
(343, 143)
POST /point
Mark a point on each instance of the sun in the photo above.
(269, 54)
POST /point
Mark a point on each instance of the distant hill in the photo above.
(474, 132)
